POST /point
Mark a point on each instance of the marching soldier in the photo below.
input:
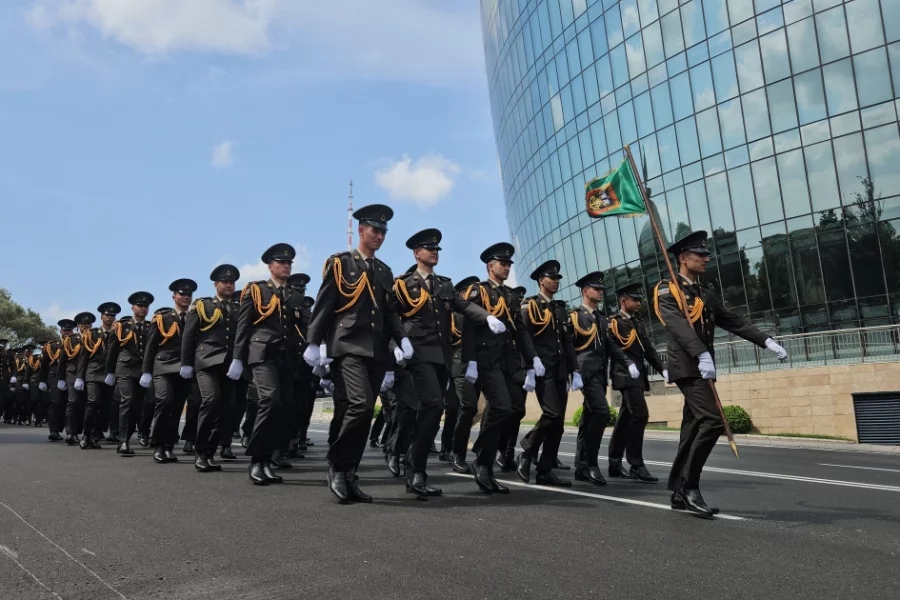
(309, 399)
(305, 382)
(594, 349)
(22, 415)
(506, 444)
(6, 374)
(267, 342)
(628, 434)
(68, 374)
(354, 318)
(547, 325)
(207, 346)
(690, 353)
(462, 393)
(425, 302)
(124, 359)
(92, 374)
(35, 391)
(492, 360)
(50, 375)
(162, 360)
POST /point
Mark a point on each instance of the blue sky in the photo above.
(148, 140)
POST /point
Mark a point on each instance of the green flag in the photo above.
(615, 194)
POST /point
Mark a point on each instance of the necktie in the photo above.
(181, 319)
(429, 281)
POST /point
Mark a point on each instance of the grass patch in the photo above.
(661, 428)
(808, 436)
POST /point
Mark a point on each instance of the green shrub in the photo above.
(377, 410)
(738, 419)
(576, 418)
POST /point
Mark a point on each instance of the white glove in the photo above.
(779, 351)
(319, 371)
(13, 380)
(110, 380)
(186, 372)
(577, 382)
(666, 375)
(42, 386)
(495, 324)
(311, 355)
(398, 355)
(79, 384)
(388, 382)
(538, 367)
(327, 385)
(407, 348)
(24, 386)
(61, 385)
(235, 370)
(633, 371)
(472, 371)
(529, 381)
(145, 380)
(323, 355)
(706, 366)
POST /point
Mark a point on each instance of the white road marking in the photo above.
(572, 492)
(864, 468)
(13, 556)
(86, 551)
(63, 550)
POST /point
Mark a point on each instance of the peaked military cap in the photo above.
(280, 252)
(594, 280)
(109, 308)
(376, 215)
(430, 239)
(28, 347)
(298, 280)
(85, 318)
(162, 310)
(634, 290)
(66, 324)
(465, 283)
(520, 290)
(141, 298)
(501, 251)
(185, 287)
(548, 269)
(226, 273)
(307, 301)
(693, 242)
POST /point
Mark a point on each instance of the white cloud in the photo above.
(424, 182)
(55, 312)
(259, 270)
(223, 154)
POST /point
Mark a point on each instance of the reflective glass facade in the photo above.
(772, 125)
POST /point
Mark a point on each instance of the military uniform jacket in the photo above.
(506, 350)
(6, 362)
(546, 322)
(687, 340)
(353, 313)
(34, 370)
(630, 335)
(457, 366)
(162, 354)
(428, 317)
(68, 358)
(125, 353)
(208, 337)
(20, 367)
(266, 324)
(593, 346)
(50, 355)
(92, 358)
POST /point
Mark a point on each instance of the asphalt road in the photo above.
(90, 525)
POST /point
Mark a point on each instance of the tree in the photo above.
(21, 325)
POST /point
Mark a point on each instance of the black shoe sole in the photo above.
(261, 482)
(460, 470)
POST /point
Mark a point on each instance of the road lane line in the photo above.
(572, 492)
(63, 550)
(13, 556)
(864, 468)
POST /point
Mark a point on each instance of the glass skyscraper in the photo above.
(772, 125)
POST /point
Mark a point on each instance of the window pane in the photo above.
(619, 66)
(708, 127)
(688, 144)
(822, 180)
(742, 200)
(872, 82)
(604, 75)
(716, 13)
(613, 136)
(732, 123)
(851, 166)
(630, 20)
(647, 10)
(598, 36)
(701, 81)
(891, 12)
(682, 102)
(650, 153)
(810, 97)
(653, 46)
(614, 27)
(807, 270)
(774, 50)
(768, 195)
(883, 150)
(662, 106)
(793, 183)
(725, 77)
(643, 114)
(671, 31)
(839, 87)
(779, 271)
(634, 50)
(749, 66)
(865, 256)
(802, 40)
(699, 213)
(692, 20)
(833, 41)
(864, 22)
(668, 149)
(781, 106)
(598, 139)
(626, 122)
(756, 114)
(739, 10)
(833, 254)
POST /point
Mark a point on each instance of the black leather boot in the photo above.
(617, 471)
(560, 465)
(549, 478)
(159, 456)
(693, 502)
(125, 449)
(459, 464)
(202, 465)
(483, 478)
(354, 493)
(523, 467)
(393, 463)
(270, 475)
(227, 454)
(170, 454)
(256, 474)
(337, 484)
(591, 475)
(188, 448)
(211, 461)
(641, 473)
(418, 485)
(278, 461)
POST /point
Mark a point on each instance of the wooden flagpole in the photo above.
(674, 279)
